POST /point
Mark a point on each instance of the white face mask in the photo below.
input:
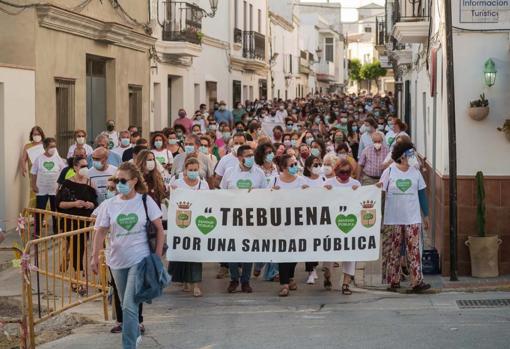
(37, 138)
(80, 140)
(234, 149)
(52, 151)
(316, 170)
(151, 165)
(327, 170)
(377, 146)
(84, 172)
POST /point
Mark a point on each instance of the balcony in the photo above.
(380, 34)
(182, 29)
(254, 45)
(304, 63)
(411, 20)
(326, 71)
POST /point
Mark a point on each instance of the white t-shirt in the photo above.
(99, 180)
(335, 183)
(314, 183)
(390, 138)
(201, 184)
(113, 139)
(269, 175)
(88, 150)
(47, 170)
(128, 237)
(235, 178)
(402, 205)
(120, 150)
(226, 162)
(163, 156)
(297, 183)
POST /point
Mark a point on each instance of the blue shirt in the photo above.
(113, 159)
(224, 116)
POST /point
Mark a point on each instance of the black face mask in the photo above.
(110, 127)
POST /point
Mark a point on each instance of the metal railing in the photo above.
(254, 45)
(411, 10)
(380, 30)
(183, 22)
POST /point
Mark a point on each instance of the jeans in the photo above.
(234, 272)
(125, 282)
(118, 307)
(40, 202)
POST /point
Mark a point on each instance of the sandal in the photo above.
(256, 273)
(292, 285)
(327, 280)
(346, 290)
(116, 329)
(420, 287)
(197, 292)
(284, 292)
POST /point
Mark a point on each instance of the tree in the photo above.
(354, 70)
(372, 72)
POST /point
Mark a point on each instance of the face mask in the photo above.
(293, 170)
(289, 127)
(316, 152)
(277, 136)
(339, 139)
(110, 194)
(249, 161)
(182, 114)
(158, 144)
(213, 127)
(344, 176)
(235, 148)
(198, 117)
(282, 107)
(293, 142)
(110, 127)
(309, 140)
(269, 157)
(327, 170)
(286, 143)
(98, 165)
(125, 141)
(179, 134)
(363, 129)
(222, 107)
(189, 149)
(316, 170)
(192, 175)
(226, 135)
(172, 141)
(354, 128)
(380, 127)
(151, 165)
(84, 172)
(36, 138)
(52, 151)
(377, 146)
(80, 140)
(343, 120)
(204, 150)
(317, 121)
(123, 188)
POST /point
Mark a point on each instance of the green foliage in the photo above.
(372, 71)
(480, 204)
(354, 69)
(482, 102)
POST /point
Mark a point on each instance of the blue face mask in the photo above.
(226, 135)
(125, 142)
(293, 170)
(189, 149)
(249, 161)
(123, 188)
(354, 128)
(98, 165)
(203, 150)
(293, 142)
(269, 157)
(158, 144)
(172, 141)
(110, 194)
(315, 152)
(309, 140)
(192, 175)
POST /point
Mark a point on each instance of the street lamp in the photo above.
(489, 72)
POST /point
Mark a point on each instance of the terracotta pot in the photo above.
(478, 113)
(484, 255)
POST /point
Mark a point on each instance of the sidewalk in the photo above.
(6, 257)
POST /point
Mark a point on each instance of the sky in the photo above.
(349, 14)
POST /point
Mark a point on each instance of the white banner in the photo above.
(263, 225)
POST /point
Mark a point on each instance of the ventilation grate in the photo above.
(483, 303)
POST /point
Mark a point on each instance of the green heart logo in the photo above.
(390, 140)
(205, 224)
(403, 184)
(244, 184)
(127, 221)
(346, 223)
(48, 165)
(161, 159)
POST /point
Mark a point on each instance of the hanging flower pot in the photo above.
(479, 109)
(506, 129)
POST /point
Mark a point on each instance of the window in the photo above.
(330, 49)
(259, 21)
(368, 29)
(290, 64)
(236, 91)
(135, 105)
(65, 114)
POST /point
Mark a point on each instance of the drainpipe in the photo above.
(452, 140)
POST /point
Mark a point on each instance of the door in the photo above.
(96, 96)
(211, 90)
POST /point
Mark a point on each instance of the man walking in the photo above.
(371, 160)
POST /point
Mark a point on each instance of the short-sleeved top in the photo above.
(206, 169)
(229, 160)
(128, 236)
(47, 169)
(201, 185)
(99, 180)
(120, 150)
(70, 152)
(402, 205)
(269, 175)
(236, 178)
(333, 181)
(297, 183)
(314, 183)
(163, 156)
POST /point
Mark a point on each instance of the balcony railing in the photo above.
(254, 45)
(380, 31)
(238, 36)
(411, 10)
(183, 22)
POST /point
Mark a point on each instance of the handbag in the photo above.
(152, 232)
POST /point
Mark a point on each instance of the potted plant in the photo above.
(506, 129)
(200, 36)
(479, 109)
(483, 249)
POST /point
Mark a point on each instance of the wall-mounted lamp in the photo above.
(489, 72)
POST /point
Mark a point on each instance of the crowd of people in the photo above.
(318, 141)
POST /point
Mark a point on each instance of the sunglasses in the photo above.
(347, 172)
(316, 165)
(83, 166)
(121, 180)
(293, 165)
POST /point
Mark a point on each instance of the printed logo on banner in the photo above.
(183, 214)
(206, 224)
(368, 214)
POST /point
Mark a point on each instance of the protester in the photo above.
(102, 142)
(183, 122)
(159, 146)
(113, 136)
(146, 163)
(31, 150)
(224, 115)
(80, 137)
(173, 143)
(207, 149)
(68, 171)
(366, 131)
(100, 172)
(231, 159)
(191, 146)
(124, 143)
(128, 153)
(372, 159)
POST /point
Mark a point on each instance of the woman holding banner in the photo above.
(189, 273)
(405, 195)
(343, 172)
(288, 179)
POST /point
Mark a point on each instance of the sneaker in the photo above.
(311, 279)
(117, 328)
(420, 287)
(138, 341)
(246, 288)
(222, 273)
(232, 287)
(314, 274)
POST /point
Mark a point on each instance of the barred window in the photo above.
(64, 92)
(135, 105)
